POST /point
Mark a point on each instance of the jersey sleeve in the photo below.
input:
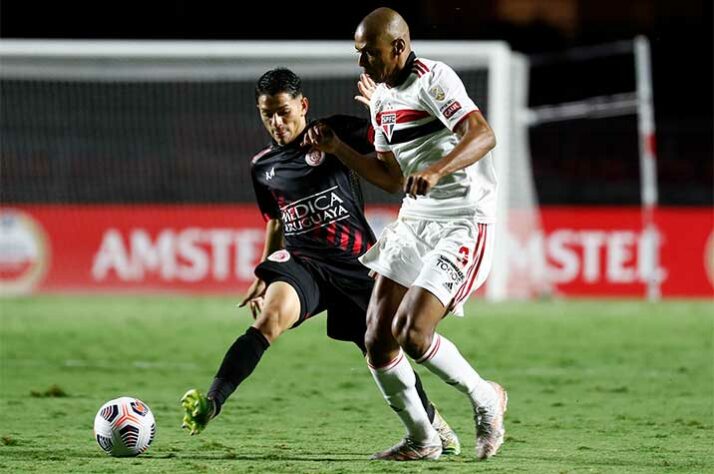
(444, 95)
(266, 203)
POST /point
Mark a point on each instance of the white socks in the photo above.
(444, 359)
(396, 382)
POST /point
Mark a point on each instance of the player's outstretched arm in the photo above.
(381, 169)
(477, 139)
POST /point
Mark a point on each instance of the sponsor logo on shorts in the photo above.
(280, 256)
(314, 157)
(454, 274)
(451, 108)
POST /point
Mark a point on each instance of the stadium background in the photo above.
(604, 385)
(84, 153)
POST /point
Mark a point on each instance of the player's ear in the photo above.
(399, 46)
(304, 106)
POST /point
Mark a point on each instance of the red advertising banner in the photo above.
(214, 248)
(127, 248)
(599, 251)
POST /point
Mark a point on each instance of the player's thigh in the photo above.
(291, 288)
(347, 311)
(386, 297)
(281, 310)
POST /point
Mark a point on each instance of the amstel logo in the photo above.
(24, 254)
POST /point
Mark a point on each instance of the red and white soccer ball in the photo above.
(124, 427)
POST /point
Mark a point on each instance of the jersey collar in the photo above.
(406, 71)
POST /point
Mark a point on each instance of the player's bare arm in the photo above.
(273, 242)
(477, 139)
(381, 169)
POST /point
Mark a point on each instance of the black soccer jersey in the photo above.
(317, 198)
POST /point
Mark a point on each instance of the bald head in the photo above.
(383, 41)
(384, 25)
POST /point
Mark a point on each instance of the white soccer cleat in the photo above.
(409, 450)
(490, 429)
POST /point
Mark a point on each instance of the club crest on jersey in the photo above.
(280, 256)
(389, 120)
(314, 157)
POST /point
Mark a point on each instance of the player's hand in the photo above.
(366, 87)
(256, 306)
(418, 184)
(254, 298)
(321, 137)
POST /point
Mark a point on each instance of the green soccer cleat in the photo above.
(449, 441)
(198, 411)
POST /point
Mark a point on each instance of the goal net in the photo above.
(107, 122)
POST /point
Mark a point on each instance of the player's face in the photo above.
(283, 116)
(375, 57)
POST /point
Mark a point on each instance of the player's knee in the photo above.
(413, 339)
(378, 340)
(373, 340)
(270, 324)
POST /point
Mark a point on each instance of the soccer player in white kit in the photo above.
(432, 142)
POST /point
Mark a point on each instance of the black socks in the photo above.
(238, 363)
(424, 399)
(243, 357)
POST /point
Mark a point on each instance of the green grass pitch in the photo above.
(595, 386)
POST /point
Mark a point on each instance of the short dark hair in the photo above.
(277, 81)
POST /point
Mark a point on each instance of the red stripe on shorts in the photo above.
(478, 265)
(474, 256)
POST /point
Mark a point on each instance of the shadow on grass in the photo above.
(30, 454)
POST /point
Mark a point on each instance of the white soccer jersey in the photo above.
(416, 121)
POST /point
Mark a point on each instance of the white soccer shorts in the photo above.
(449, 258)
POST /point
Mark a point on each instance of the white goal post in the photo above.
(503, 96)
(637, 103)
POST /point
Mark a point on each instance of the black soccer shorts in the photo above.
(343, 289)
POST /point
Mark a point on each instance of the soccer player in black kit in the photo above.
(315, 230)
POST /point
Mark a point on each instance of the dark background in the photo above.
(573, 172)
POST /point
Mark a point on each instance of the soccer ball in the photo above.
(124, 427)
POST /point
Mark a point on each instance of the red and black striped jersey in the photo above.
(317, 198)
